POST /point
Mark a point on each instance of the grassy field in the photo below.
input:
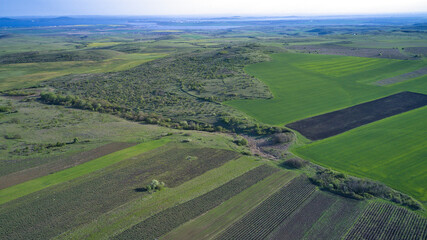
(392, 150)
(213, 222)
(31, 186)
(306, 85)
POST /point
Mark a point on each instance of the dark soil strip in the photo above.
(417, 50)
(333, 123)
(303, 220)
(52, 211)
(261, 221)
(60, 164)
(387, 221)
(171, 218)
(333, 49)
(337, 221)
(406, 76)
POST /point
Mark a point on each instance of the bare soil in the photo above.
(333, 123)
(267, 148)
(417, 50)
(406, 76)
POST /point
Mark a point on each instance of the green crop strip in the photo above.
(38, 184)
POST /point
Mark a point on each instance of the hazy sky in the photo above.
(213, 7)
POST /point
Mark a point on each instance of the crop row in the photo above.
(304, 218)
(336, 220)
(61, 207)
(386, 221)
(269, 214)
(171, 218)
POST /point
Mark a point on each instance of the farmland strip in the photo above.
(386, 221)
(82, 200)
(38, 184)
(136, 211)
(302, 220)
(333, 123)
(406, 76)
(337, 220)
(60, 164)
(170, 218)
(269, 214)
(213, 222)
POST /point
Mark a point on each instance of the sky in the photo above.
(208, 7)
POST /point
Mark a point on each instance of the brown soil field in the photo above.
(332, 49)
(406, 76)
(333, 123)
(302, 220)
(60, 164)
(49, 212)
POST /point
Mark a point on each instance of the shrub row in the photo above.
(359, 188)
(225, 124)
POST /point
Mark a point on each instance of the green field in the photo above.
(392, 150)
(38, 184)
(306, 85)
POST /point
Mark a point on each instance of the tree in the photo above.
(155, 185)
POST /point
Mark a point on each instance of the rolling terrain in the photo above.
(228, 128)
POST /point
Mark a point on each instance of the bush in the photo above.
(282, 138)
(12, 136)
(295, 163)
(155, 185)
(241, 142)
(20, 93)
(5, 109)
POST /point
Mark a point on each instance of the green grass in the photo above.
(213, 222)
(306, 85)
(31, 186)
(123, 217)
(392, 150)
